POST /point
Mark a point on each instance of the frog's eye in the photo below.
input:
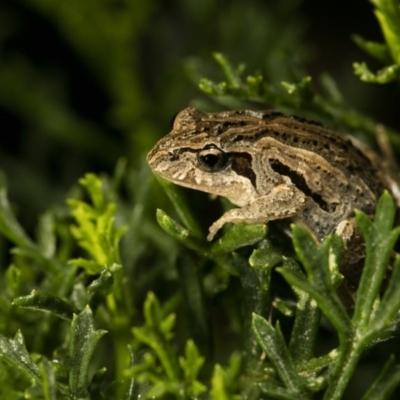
(212, 159)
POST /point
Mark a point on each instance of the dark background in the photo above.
(63, 112)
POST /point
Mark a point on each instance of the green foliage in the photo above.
(83, 341)
(13, 352)
(296, 96)
(296, 372)
(373, 318)
(290, 370)
(387, 13)
(70, 296)
(107, 298)
(177, 376)
(153, 367)
(95, 231)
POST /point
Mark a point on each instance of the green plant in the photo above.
(119, 309)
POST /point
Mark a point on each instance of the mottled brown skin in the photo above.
(273, 166)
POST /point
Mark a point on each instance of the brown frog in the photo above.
(274, 167)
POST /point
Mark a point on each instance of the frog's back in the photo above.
(254, 152)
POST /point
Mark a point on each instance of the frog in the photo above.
(275, 167)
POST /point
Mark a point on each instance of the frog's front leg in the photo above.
(283, 201)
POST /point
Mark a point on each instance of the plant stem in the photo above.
(350, 352)
(255, 285)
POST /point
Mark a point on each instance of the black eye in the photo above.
(212, 159)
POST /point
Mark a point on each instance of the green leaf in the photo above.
(41, 301)
(13, 280)
(377, 50)
(380, 240)
(300, 282)
(321, 262)
(240, 235)
(49, 385)
(103, 284)
(385, 213)
(46, 235)
(371, 316)
(234, 86)
(390, 304)
(384, 75)
(313, 256)
(96, 382)
(191, 365)
(232, 76)
(218, 385)
(154, 315)
(83, 340)
(301, 88)
(265, 256)
(233, 370)
(306, 323)
(276, 392)
(179, 233)
(156, 334)
(79, 296)
(14, 353)
(331, 87)
(388, 14)
(387, 381)
(95, 230)
(10, 227)
(272, 342)
(209, 87)
(91, 267)
(95, 189)
(180, 205)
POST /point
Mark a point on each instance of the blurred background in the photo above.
(86, 82)
(83, 83)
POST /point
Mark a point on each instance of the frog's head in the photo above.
(197, 154)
